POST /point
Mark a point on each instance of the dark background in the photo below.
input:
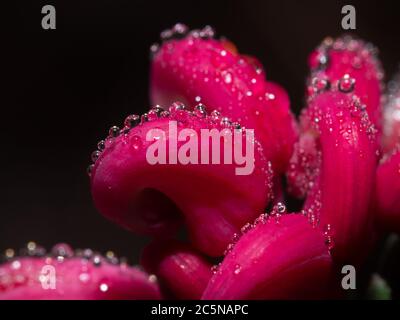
(62, 89)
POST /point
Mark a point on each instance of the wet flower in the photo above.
(342, 158)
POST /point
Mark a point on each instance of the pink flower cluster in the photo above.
(341, 156)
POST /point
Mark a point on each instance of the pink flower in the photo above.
(276, 258)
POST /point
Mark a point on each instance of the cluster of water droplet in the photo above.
(57, 255)
(312, 209)
(195, 63)
(130, 122)
(179, 31)
(274, 215)
(60, 252)
(303, 170)
(320, 83)
(328, 233)
(312, 215)
(320, 59)
(184, 117)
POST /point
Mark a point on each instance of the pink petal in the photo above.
(183, 271)
(214, 201)
(76, 278)
(336, 161)
(278, 258)
(388, 192)
(200, 67)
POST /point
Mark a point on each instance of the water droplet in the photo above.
(215, 115)
(319, 60)
(143, 118)
(153, 278)
(136, 142)
(95, 155)
(31, 246)
(166, 34)
(269, 96)
(320, 84)
(214, 269)
(96, 260)
(16, 265)
(246, 228)
(164, 114)
(101, 145)
(200, 111)
(238, 268)
(280, 207)
(114, 131)
(346, 84)
(225, 122)
(103, 287)
(84, 277)
(152, 115)
(63, 250)
(207, 32)
(89, 170)
(9, 253)
(132, 120)
(236, 125)
(176, 106)
(180, 29)
(154, 48)
(87, 253)
(111, 257)
(227, 76)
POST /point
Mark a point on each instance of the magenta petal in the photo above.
(275, 259)
(77, 278)
(202, 68)
(336, 160)
(213, 199)
(388, 193)
(182, 270)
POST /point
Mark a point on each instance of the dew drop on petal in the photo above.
(136, 142)
(238, 268)
(346, 84)
(114, 131)
(63, 250)
(132, 121)
(84, 277)
(89, 170)
(101, 145)
(103, 287)
(200, 111)
(95, 155)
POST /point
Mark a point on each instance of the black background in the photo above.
(62, 89)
